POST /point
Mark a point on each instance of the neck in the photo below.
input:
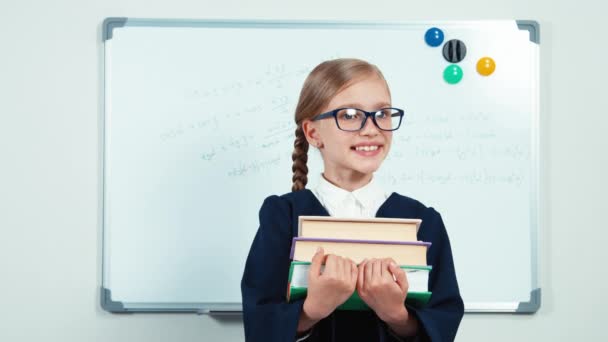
(349, 181)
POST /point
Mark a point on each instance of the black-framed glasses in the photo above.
(353, 119)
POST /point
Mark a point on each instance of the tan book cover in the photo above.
(386, 229)
(404, 253)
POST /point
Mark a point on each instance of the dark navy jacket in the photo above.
(267, 316)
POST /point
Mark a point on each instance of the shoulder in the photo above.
(301, 202)
(432, 229)
(286, 204)
(274, 204)
(409, 207)
(297, 196)
(280, 212)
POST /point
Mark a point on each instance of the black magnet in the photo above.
(454, 51)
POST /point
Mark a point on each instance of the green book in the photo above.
(418, 294)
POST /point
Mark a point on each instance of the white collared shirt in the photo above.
(360, 203)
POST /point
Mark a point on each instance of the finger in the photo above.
(377, 269)
(317, 261)
(400, 276)
(339, 267)
(387, 274)
(346, 269)
(329, 265)
(361, 275)
(393, 269)
(368, 272)
(354, 272)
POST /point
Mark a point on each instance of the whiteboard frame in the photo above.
(112, 23)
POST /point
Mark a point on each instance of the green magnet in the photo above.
(452, 74)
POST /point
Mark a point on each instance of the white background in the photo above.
(50, 110)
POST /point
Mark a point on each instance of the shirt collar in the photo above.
(368, 195)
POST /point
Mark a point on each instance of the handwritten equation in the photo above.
(483, 176)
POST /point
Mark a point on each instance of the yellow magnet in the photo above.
(486, 66)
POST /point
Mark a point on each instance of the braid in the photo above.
(299, 157)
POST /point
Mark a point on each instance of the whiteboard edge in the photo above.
(533, 27)
(109, 24)
(528, 307)
(108, 304)
(221, 309)
(288, 23)
(235, 308)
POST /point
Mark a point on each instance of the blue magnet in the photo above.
(433, 37)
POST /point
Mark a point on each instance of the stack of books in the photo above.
(359, 239)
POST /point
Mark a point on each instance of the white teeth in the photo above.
(366, 148)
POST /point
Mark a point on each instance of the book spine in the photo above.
(411, 243)
(404, 267)
(382, 242)
(355, 303)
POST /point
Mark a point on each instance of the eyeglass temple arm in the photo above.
(324, 115)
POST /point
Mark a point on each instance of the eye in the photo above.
(348, 114)
(383, 113)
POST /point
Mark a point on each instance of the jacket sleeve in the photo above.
(266, 314)
(440, 318)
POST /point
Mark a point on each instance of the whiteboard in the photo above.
(198, 130)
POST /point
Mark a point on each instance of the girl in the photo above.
(345, 111)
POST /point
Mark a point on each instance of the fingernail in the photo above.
(393, 264)
(319, 249)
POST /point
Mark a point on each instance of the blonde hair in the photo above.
(322, 84)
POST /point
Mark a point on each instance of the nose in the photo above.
(369, 128)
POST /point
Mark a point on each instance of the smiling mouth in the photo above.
(366, 148)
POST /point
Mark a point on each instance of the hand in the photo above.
(333, 287)
(382, 293)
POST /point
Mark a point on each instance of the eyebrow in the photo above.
(358, 105)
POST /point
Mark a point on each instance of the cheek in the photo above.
(389, 138)
(389, 142)
(340, 146)
(341, 141)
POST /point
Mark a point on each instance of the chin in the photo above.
(366, 169)
(367, 166)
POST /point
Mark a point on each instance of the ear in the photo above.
(311, 132)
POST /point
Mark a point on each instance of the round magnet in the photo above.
(452, 74)
(454, 51)
(433, 37)
(486, 66)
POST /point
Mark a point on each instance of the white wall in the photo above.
(50, 114)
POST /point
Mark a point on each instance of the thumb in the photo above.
(317, 261)
(399, 276)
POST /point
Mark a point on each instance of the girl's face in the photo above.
(339, 148)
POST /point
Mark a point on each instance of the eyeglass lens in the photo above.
(351, 119)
